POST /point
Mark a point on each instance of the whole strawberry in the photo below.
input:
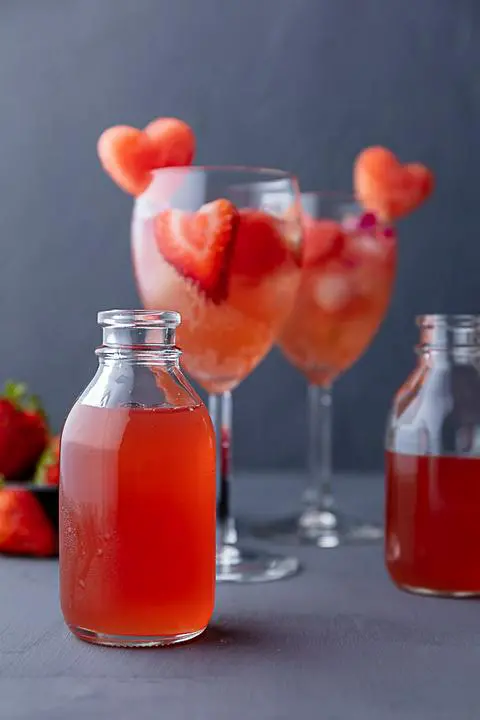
(24, 527)
(23, 432)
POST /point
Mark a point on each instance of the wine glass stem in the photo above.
(220, 407)
(319, 490)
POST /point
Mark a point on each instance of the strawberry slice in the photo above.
(260, 247)
(173, 141)
(198, 245)
(130, 155)
(388, 188)
(322, 241)
(127, 155)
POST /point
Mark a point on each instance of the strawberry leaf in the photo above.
(15, 392)
(32, 403)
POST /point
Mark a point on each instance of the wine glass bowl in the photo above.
(344, 296)
(348, 273)
(223, 341)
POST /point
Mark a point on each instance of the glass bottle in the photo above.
(137, 493)
(433, 463)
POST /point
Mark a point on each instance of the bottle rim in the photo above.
(145, 319)
(447, 320)
(445, 332)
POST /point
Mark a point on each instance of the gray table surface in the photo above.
(337, 642)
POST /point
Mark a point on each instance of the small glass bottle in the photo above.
(137, 493)
(433, 463)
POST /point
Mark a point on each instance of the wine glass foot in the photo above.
(244, 565)
(325, 528)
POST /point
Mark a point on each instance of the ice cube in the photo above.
(369, 246)
(333, 291)
(350, 223)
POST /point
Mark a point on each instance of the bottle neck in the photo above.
(139, 337)
(144, 355)
(154, 338)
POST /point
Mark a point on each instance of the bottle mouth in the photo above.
(449, 319)
(142, 319)
(448, 331)
(139, 330)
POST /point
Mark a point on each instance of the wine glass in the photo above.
(348, 274)
(221, 246)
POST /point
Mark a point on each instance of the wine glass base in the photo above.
(327, 528)
(241, 565)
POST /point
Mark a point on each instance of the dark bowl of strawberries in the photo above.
(29, 476)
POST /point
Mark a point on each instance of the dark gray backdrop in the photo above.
(301, 84)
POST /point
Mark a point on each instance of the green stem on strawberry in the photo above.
(16, 393)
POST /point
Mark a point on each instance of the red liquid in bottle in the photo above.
(137, 519)
(433, 523)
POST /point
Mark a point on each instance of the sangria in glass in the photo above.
(348, 273)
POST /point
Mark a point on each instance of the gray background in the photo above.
(302, 84)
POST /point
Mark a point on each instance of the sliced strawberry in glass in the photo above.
(260, 247)
(322, 241)
(199, 245)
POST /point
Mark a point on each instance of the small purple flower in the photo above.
(367, 221)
